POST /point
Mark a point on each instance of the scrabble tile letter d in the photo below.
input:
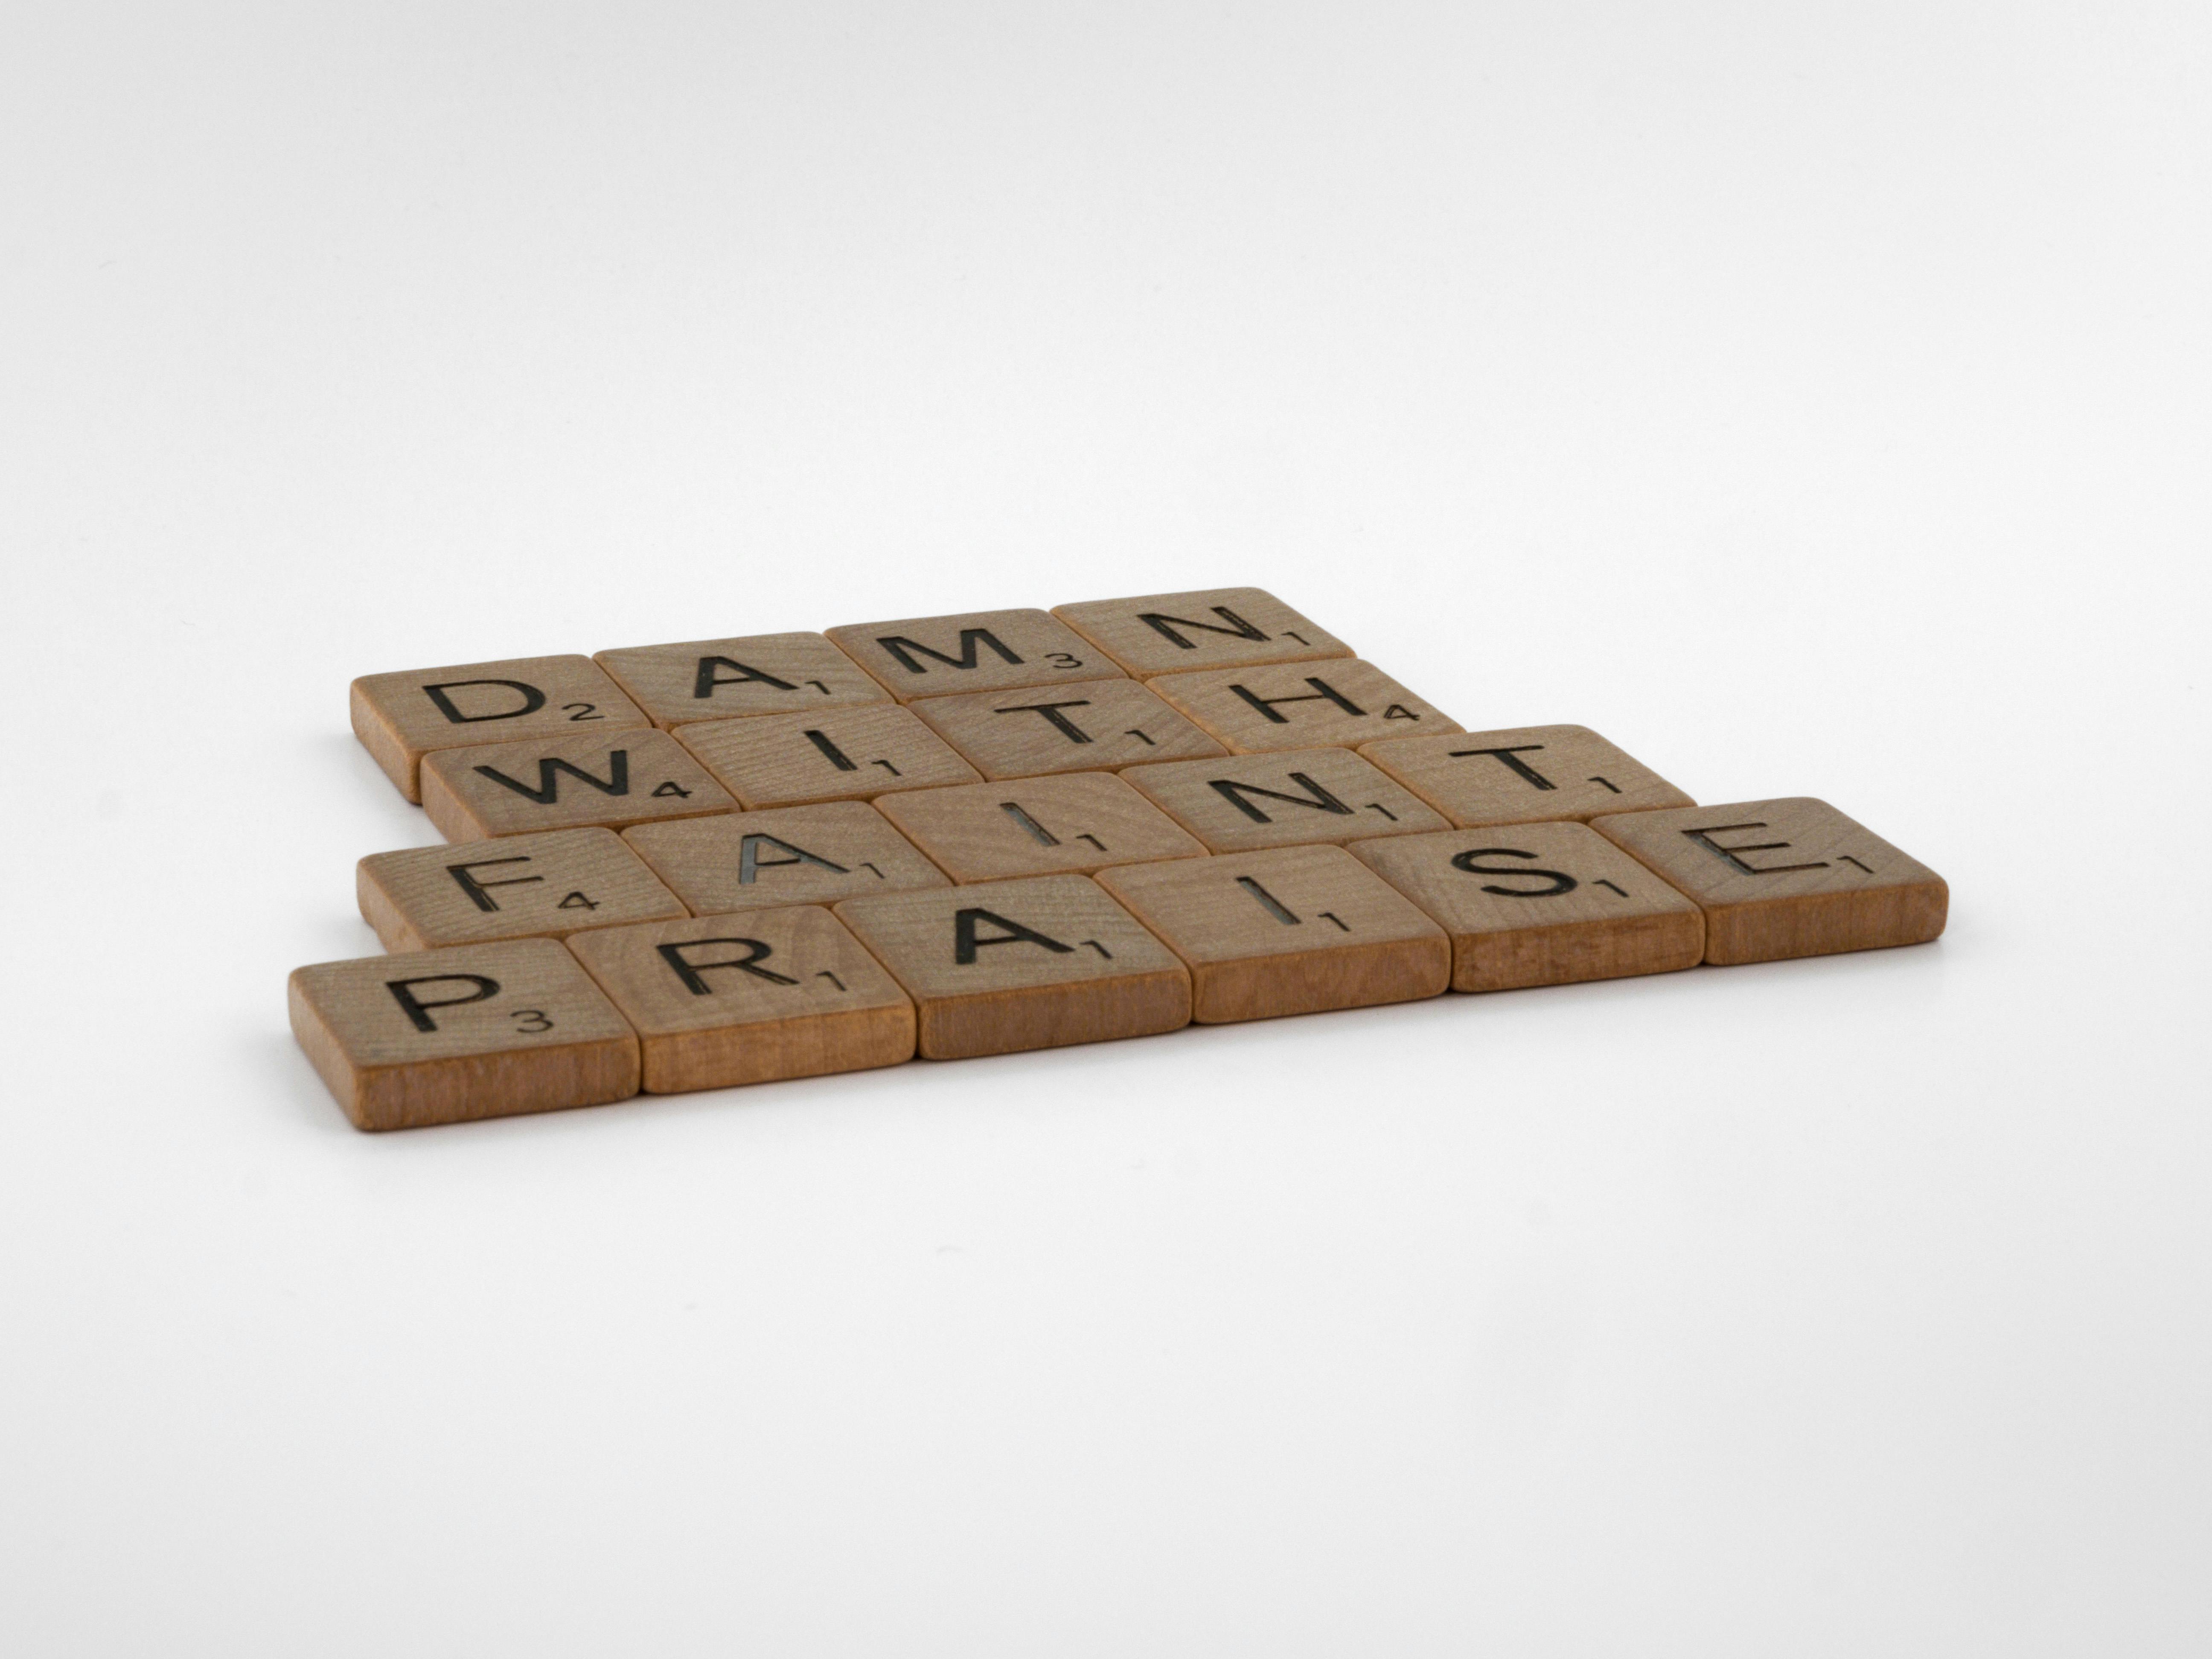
(400, 718)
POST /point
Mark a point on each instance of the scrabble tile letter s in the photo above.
(1540, 904)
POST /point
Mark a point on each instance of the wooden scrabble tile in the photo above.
(721, 1000)
(477, 1030)
(1788, 877)
(1246, 802)
(399, 718)
(1008, 965)
(1293, 930)
(527, 887)
(1528, 775)
(979, 651)
(1082, 821)
(1539, 904)
(790, 856)
(756, 674)
(612, 779)
(1095, 725)
(1300, 705)
(1218, 627)
(844, 754)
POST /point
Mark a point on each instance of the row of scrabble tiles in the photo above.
(674, 958)
(675, 730)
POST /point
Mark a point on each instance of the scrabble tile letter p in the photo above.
(478, 1030)
(399, 718)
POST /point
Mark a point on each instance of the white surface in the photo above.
(1812, 399)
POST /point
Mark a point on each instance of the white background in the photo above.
(1813, 399)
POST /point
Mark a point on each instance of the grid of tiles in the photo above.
(734, 860)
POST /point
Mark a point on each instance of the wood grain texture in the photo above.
(1524, 774)
(1093, 726)
(1297, 930)
(1080, 822)
(401, 717)
(1539, 904)
(611, 780)
(1009, 965)
(727, 679)
(974, 651)
(785, 856)
(844, 754)
(479, 1031)
(1248, 802)
(1214, 627)
(717, 1001)
(1300, 705)
(1786, 877)
(539, 886)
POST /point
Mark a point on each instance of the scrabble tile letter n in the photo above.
(1221, 628)
(1791, 877)
(1246, 802)
(1008, 965)
(399, 718)
(479, 1031)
